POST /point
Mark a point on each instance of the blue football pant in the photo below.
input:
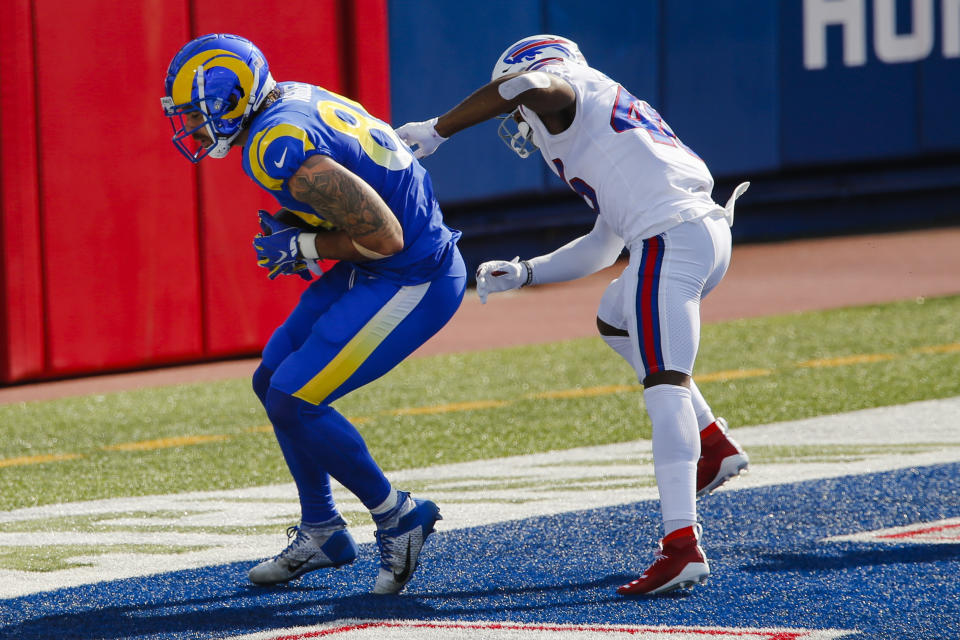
(347, 330)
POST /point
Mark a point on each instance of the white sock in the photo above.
(334, 522)
(669, 526)
(704, 413)
(387, 504)
(676, 449)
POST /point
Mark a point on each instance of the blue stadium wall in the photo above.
(842, 113)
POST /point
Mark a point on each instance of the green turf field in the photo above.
(479, 405)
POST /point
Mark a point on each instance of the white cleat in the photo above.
(400, 540)
(309, 549)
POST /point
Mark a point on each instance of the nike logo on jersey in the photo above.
(279, 163)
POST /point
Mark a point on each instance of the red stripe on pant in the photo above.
(648, 305)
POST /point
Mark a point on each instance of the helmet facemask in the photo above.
(215, 84)
(517, 134)
(214, 103)
(528, 54)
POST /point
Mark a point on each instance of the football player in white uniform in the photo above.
(652, 195)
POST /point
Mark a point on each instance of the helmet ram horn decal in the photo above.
(223, 79)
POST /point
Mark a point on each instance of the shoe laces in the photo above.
(658, 556)
(386, 543)
(296, 538)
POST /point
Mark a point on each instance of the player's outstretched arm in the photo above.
(578, 258)
(541, 92)
(366, 227)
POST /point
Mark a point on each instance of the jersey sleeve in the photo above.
(277, 151)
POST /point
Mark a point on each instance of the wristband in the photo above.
(526, 263)
(308, 246)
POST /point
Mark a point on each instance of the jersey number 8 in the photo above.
(377, 140)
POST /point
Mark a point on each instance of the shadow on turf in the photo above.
(301, 605)
(822, 559)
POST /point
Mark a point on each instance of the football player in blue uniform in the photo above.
(352, 192)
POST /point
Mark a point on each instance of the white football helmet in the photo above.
(534, 52)
(529, 54)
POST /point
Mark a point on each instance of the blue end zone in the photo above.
(769, 570)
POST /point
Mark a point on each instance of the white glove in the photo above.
(422, 134)
(500, 275)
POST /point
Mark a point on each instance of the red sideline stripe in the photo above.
(764, 635)
(920, 532)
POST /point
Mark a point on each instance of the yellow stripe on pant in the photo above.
(356, 352)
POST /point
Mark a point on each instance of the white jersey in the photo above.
(623, 159)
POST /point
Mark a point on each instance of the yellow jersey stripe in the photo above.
(359, 348)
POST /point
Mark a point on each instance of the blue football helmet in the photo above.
(224, 78)
(529, 54)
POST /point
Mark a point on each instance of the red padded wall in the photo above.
(118, 233)
(22, 352)
(146, 259)
(369, 59)
(301, 40)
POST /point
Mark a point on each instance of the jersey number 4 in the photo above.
(630, 112)
(588, 193)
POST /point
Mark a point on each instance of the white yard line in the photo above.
(469, 494)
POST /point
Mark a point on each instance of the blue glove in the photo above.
(299, 268)
(277, 248)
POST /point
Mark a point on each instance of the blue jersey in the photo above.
(309, 120)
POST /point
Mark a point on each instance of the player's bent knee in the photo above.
(261, 383)
(287, 412)
(610, 330)
(283, 409)
(675, 378)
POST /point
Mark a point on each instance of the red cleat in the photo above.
(721, 458)
(680, 563)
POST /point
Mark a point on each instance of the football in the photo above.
(288, 217)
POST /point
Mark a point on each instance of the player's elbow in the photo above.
(380, 247)
(391, 241)
(392, 244)
(387, 240)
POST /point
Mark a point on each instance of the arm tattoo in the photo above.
(338, 197)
